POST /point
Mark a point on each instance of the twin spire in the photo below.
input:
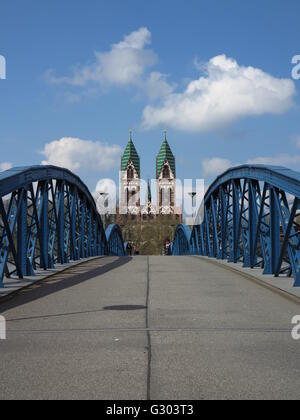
(130, 154)
(165, 154)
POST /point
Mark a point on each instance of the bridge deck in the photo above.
(212, 334)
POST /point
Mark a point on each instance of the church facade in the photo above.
(130, 200)
(130, 186)
(166, 179)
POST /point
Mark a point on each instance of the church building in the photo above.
(130, 201)
(166, 179)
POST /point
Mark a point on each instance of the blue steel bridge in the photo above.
(249, 214)
(212, 321)
(49, 217)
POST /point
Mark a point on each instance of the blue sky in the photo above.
(82, 73)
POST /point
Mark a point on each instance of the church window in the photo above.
(130, 173)
(166, 172)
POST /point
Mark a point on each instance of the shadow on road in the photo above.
(58, 282)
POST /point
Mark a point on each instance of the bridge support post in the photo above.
(233, 221)
(215, 236)
(197, 234)
(291, 241)
(201, 236)
(44, 226)
(82, 216)
(95, 251)
(22, 229)
(72, 203)
(223, 225)
(89, 233)
(61, 222)
(9, 221)
(209, 246)
(274, 232)
(253, 197)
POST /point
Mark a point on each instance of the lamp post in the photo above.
(193, 195)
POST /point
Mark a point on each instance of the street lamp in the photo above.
(193, 195)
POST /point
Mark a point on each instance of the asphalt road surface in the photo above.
(149, 328)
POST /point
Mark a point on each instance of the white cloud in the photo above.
(137, 40)
(157, 86)
(215, 166)
(226, 93)
(76, 154)
(124, 64)
(4, 166)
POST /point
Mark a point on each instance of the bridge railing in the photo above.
(48, 216)
(249, 215)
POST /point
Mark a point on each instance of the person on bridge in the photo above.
(167, 247)
(129, 249)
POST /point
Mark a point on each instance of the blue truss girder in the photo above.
(9, 220)
(250, 215)
(48, 216)
(115, 242)
(182, 241)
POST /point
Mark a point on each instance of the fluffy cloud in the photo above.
(227, 92)
(4, 166)
(215, 166)
(157, 86)
(76, 154)
(125, 64)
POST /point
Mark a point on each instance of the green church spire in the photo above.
(130, 154)
(165, 153)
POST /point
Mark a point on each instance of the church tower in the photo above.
(166, 179)
(130, 180)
